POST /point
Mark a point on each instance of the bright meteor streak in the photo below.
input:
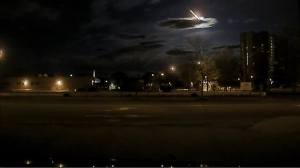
(195, 15)
(194, 22)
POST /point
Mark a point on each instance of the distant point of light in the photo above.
(60, 165)
(94, 73)
(71, 75)
(28, 162)
(25, 82)
(1, 53)
(271, 81)
(172, 68)
(59, 83)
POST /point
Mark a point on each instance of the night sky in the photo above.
(60, 36)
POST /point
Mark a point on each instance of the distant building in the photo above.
(264, 60)
(45, 83)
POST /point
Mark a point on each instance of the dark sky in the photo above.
(123, 35)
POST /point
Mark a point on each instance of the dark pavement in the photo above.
(150, 131)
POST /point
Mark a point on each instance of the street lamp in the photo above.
(59, 83)
(28, 162)
(1, 53)
(162, 74)
(271, 81)
(173, 68)
(25, 83)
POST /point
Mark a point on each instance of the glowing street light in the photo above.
(59, 83)
(199, 63)
(28, 162)
(271, 81)
(25, 83)
(173, 68)
(162, 74)
(1, 53)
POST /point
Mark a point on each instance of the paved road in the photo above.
(178, 131)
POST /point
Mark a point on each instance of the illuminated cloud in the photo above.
(195, 22)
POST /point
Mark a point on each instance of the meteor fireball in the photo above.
(194, 22)
(196, 16)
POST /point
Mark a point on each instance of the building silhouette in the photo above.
(264, 60)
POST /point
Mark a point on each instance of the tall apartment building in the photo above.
(264, 60)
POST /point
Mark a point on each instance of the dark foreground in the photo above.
(81, 131)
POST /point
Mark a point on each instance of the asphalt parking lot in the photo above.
(86, 131)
